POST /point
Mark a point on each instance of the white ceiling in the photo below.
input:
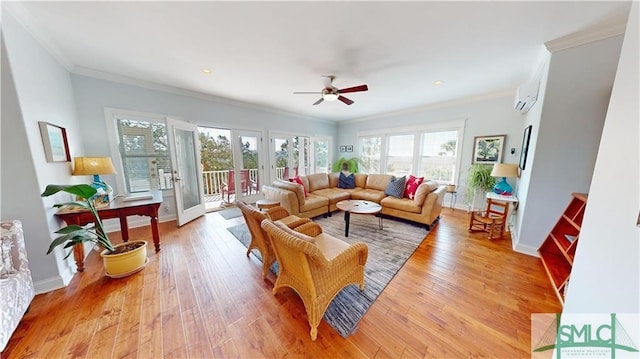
(260, 52)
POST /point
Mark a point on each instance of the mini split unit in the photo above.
(526, 96)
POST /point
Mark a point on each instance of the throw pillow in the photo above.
(346, 181)
(412, 186)
(297, 180)
(395, 188)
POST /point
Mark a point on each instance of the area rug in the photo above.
(389, 249)
(231, 213)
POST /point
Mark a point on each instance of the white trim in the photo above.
(50, 284)
(101, 75)
(433, 126)
(585, 37)
(444, 104)
(28, 22)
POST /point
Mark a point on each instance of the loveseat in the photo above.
(323, 194)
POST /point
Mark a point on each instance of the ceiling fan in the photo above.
(332, 93)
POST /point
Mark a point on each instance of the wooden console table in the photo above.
(116, 209)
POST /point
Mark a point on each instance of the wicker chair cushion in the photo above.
(294, 233)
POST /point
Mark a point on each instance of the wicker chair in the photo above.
(315, 265)
(259, 240)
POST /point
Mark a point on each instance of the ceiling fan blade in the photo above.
(318, 102)
(307, 93)
(354, 89)
(345, 100)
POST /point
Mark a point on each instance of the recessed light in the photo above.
(206, 71)
(438, 83)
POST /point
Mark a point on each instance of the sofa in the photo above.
(16, 284)
(322, 194)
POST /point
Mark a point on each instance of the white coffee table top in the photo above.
(359, 206)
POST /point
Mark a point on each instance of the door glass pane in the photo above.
(185, 146)
(438, 157)
(216, 155)
(400, 158)
(281, 148)
(249, 173)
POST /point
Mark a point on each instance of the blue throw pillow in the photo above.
(396, 187)
(346, 181)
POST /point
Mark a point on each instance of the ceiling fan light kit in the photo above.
(331, 93)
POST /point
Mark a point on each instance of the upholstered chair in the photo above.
(16, 284)
(315, 265)
(259, 240)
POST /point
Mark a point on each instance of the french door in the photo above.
(248, 168)
(184, 148)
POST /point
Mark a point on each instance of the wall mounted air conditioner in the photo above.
(526, 96)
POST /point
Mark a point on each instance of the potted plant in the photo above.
(351, 164)
(479, 180)
(119, 260)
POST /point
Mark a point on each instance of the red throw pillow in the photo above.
(412, 186)
(297, 179)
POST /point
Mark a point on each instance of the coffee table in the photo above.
(358, 207)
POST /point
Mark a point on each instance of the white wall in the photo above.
(565, 140)
(490, 115)
(43, 92)
(606, 272)
(93, 95)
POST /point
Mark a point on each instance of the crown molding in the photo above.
(456, 102)
(28, 22)
(585, 37)
(125, 80)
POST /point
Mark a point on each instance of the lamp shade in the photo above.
(92, 166)
(508, 170)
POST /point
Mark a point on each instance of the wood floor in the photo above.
(458, 296)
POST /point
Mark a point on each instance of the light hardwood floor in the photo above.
(460, 295)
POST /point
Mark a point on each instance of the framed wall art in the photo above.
(525, 147)
(488, 149)
(54, 139)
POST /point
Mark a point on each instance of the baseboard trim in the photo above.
(48, 285)
(113, 225)
(524, 249)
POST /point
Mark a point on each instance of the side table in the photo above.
(266, 204)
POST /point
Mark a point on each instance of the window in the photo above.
(430, 152)
(370, 154)
(320, 155)
(144, 154)
(400, 155)
(438, 155)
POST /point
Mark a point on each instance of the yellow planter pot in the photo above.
(124, 264)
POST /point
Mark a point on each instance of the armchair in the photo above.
(316, 267)
(259, 240)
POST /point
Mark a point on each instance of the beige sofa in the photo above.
(323, 194)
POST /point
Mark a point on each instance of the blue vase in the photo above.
(503, 187)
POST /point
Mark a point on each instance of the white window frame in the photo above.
(111, 115)
(418, 131)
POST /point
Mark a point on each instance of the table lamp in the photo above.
(94, 166)
(504, 170)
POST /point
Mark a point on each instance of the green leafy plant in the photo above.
(351, 163)
(479, 179)
(74, 234)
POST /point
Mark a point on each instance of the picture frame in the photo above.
(525, 147)
(350, 148)
(488, 149)
(343, 148)
(54, 139)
